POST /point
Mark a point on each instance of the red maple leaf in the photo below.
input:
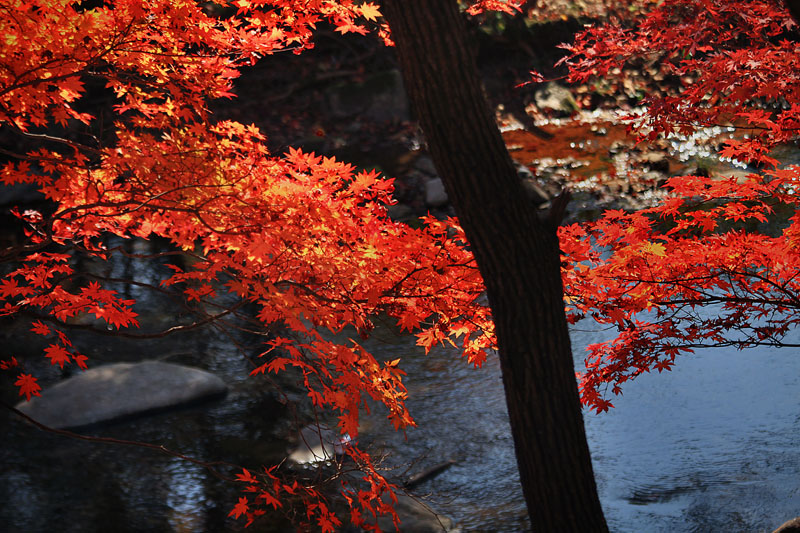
(240, 508)
(27, 386)
(40, 328)
(246, 476)
(58, 355)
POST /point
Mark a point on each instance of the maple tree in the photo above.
(697, 249)
(304, 239)
(517, 251)
(716, 263)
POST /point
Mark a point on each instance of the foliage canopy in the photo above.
(306, 239)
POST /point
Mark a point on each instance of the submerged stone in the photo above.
(317, 444)
(120, 390)
(416, 516)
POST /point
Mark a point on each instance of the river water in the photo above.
(710, 446)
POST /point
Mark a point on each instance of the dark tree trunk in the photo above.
(517, 254)
(794, 9)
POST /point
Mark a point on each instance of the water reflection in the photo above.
(707, 447)
(186, 498)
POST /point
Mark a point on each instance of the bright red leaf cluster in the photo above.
(717, 262)
(305, 239)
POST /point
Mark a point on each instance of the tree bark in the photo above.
(794, 8)
(518, 256)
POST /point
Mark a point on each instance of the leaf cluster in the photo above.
(303, 240)
(716, 264)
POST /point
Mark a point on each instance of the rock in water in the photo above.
(416, 516)
(318, 443)
(120, 390)
(435, 194)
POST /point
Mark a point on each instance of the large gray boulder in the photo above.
(120, 390)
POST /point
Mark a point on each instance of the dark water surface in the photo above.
(710, 446)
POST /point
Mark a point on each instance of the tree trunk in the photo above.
(518, 256)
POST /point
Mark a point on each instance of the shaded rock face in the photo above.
(435, 194)
(380, 97)
(121, 390)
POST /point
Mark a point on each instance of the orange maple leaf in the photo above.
(370, 11)
(246, 476)
(269, 499)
